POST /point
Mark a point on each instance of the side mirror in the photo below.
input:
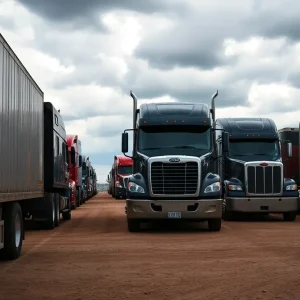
(289, 150)
(225, 141)
(125, 142)
(73, 156)
(80, 161)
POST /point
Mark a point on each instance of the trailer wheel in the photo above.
(13, 231)
(289, 216)
(214, 224)
(67, 214)
(57, 209)
(51, 211)
(133, 225)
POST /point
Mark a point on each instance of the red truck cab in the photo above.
(75, 159)
(122, 167)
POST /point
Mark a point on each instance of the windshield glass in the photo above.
(254, 150)
(125, 170)
(168, 140)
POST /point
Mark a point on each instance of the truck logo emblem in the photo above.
(174, 159)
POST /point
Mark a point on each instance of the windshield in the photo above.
(125, 170)
(168, 140)
(254, 150)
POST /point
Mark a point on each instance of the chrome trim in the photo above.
(257, 164)
(165, 159)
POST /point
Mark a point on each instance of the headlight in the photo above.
(135, 188)
(234, 187)
(292, 187)
(214, 187)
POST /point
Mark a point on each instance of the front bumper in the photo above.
(203, 209)
(271, 205)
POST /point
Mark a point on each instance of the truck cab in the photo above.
(174, 174)
(122, 168)
(251, 169)
(75, 158)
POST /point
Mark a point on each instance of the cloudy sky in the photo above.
(87, 55)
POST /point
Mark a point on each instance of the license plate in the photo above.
(174, 215)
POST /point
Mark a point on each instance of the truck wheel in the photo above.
(79, 197)
(214, 224)
(133, 225)
(67, 215)
(50, 212)
(57, 209)
(289, 216)
(13, 231)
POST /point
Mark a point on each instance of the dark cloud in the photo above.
(197, 40)
(87, 13)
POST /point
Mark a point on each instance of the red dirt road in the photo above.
(93, 256)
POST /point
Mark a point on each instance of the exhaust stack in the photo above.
(134, 108)
(213, 108)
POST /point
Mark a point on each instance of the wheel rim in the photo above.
(18, 230)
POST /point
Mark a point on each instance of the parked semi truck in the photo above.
(110, 182)
(122, 167)
(174, 170)
(94, 181)
(85, 178)
(75, 158)
(291, 166)
(34, 181)
(252, 169)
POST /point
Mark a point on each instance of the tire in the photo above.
(67, 215)
(290, 216)
(50, 212)
(214, 224)
(57, 209)
(133, 225)
(13, 231)
(79, 196)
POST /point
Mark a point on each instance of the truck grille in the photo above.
(174, 179)
(264, 180)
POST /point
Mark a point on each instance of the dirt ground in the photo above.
(93, 256)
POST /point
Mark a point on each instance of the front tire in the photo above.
(290, 216)
(215, 224)
(133, 225)
(13, 231)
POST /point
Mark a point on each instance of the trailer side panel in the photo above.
(21, 130)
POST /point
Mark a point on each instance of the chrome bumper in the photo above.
(275, 205)
(189, 209)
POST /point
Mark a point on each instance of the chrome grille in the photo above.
(264, 180)
(174, 178)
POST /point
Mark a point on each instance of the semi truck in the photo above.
(34, 181)
(122, 167)
(291, 166)
(252, 170)
(110, 182)
(94, 181)
(75, 158)
(174, 170)
(86, 188)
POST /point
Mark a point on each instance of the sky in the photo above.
(86, 56)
